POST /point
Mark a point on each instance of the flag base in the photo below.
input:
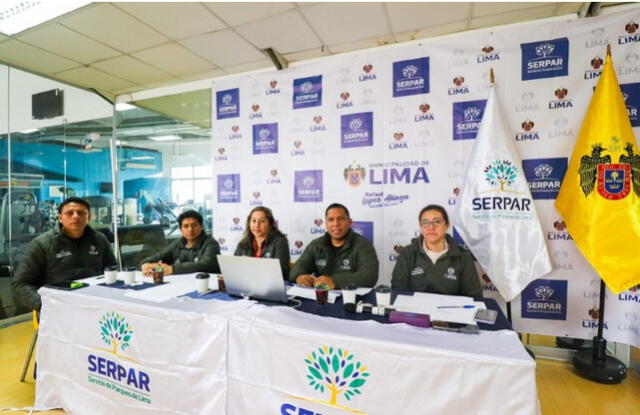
(595, 365)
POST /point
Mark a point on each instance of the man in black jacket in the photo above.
(71, 250)
(194, 252)
(341, 257)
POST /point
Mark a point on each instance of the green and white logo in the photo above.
(336, 372)
(501, 173)
(115, 331)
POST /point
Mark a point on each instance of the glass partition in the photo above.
(164, 168)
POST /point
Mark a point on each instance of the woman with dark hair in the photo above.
(263, 239)
(433, 262)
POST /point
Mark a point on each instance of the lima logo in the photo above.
(596, 68)
(335, 372)
(562, 101)
(459, 86)
(632, 35)
(528, 133)
(116, 333)
(489, 55)
(501, 175)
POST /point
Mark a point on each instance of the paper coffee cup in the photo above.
(110, 274)
(129, 275)
(202, 280)
(383, 295)
(349, 294)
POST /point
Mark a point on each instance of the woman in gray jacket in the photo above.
(263, 239)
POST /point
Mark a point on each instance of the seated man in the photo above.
(71, 250)
(338, 258)
(194, 252)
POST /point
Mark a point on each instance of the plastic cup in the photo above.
(158, 275)
(111, 274)
(383, 296)
(202, 280)
(221, 286)
(322, 295)
(349, 294)
(129, 276)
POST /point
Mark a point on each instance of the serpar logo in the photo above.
(631, 95)
(632, 35)
(335, 373)
(265, 138)
(131, 382)
(596, 68)
(503, 177)
(528, 134)
(228, 103)
(307, 92)
(467, 117)
(545, 299)
(354, 174)
(544, 176)
(307, 186)
(356, 130)
(460, 87)
(546, 59)
(562, 100)
(411, 77)
(228, 188)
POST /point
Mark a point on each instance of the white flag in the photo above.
(495, 214)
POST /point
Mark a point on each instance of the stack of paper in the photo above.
(452, 308)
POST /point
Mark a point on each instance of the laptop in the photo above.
(257, 278)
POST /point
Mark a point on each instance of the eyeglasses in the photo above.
(435, 222)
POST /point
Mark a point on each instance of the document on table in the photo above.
(172, 289)
(440, 307)
(310, 293)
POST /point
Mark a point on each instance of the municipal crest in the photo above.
(354, 174)
(612, 180)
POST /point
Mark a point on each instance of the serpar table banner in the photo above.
(105, 356)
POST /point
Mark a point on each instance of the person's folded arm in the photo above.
(207, 261)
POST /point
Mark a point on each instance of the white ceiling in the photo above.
(119, 48)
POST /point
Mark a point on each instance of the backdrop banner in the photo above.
(386, 131)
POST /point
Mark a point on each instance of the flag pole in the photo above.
(594, 364)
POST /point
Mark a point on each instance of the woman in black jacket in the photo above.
(263, 239)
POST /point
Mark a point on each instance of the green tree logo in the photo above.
(501, 172)
(115, 331)
(335, 370)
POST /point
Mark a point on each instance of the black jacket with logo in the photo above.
(275, 247)
(355, 262)
(453, 273)
(53, 257)
(201, 257)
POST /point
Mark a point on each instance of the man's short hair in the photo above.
(190, 214)
(336, 206)
(73, 200)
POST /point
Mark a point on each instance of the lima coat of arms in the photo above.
(613, 180)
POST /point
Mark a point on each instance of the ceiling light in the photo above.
(123, 106)
(19, 15)
(165, 137)
(29, 131)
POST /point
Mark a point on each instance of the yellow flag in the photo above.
(599, 198)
